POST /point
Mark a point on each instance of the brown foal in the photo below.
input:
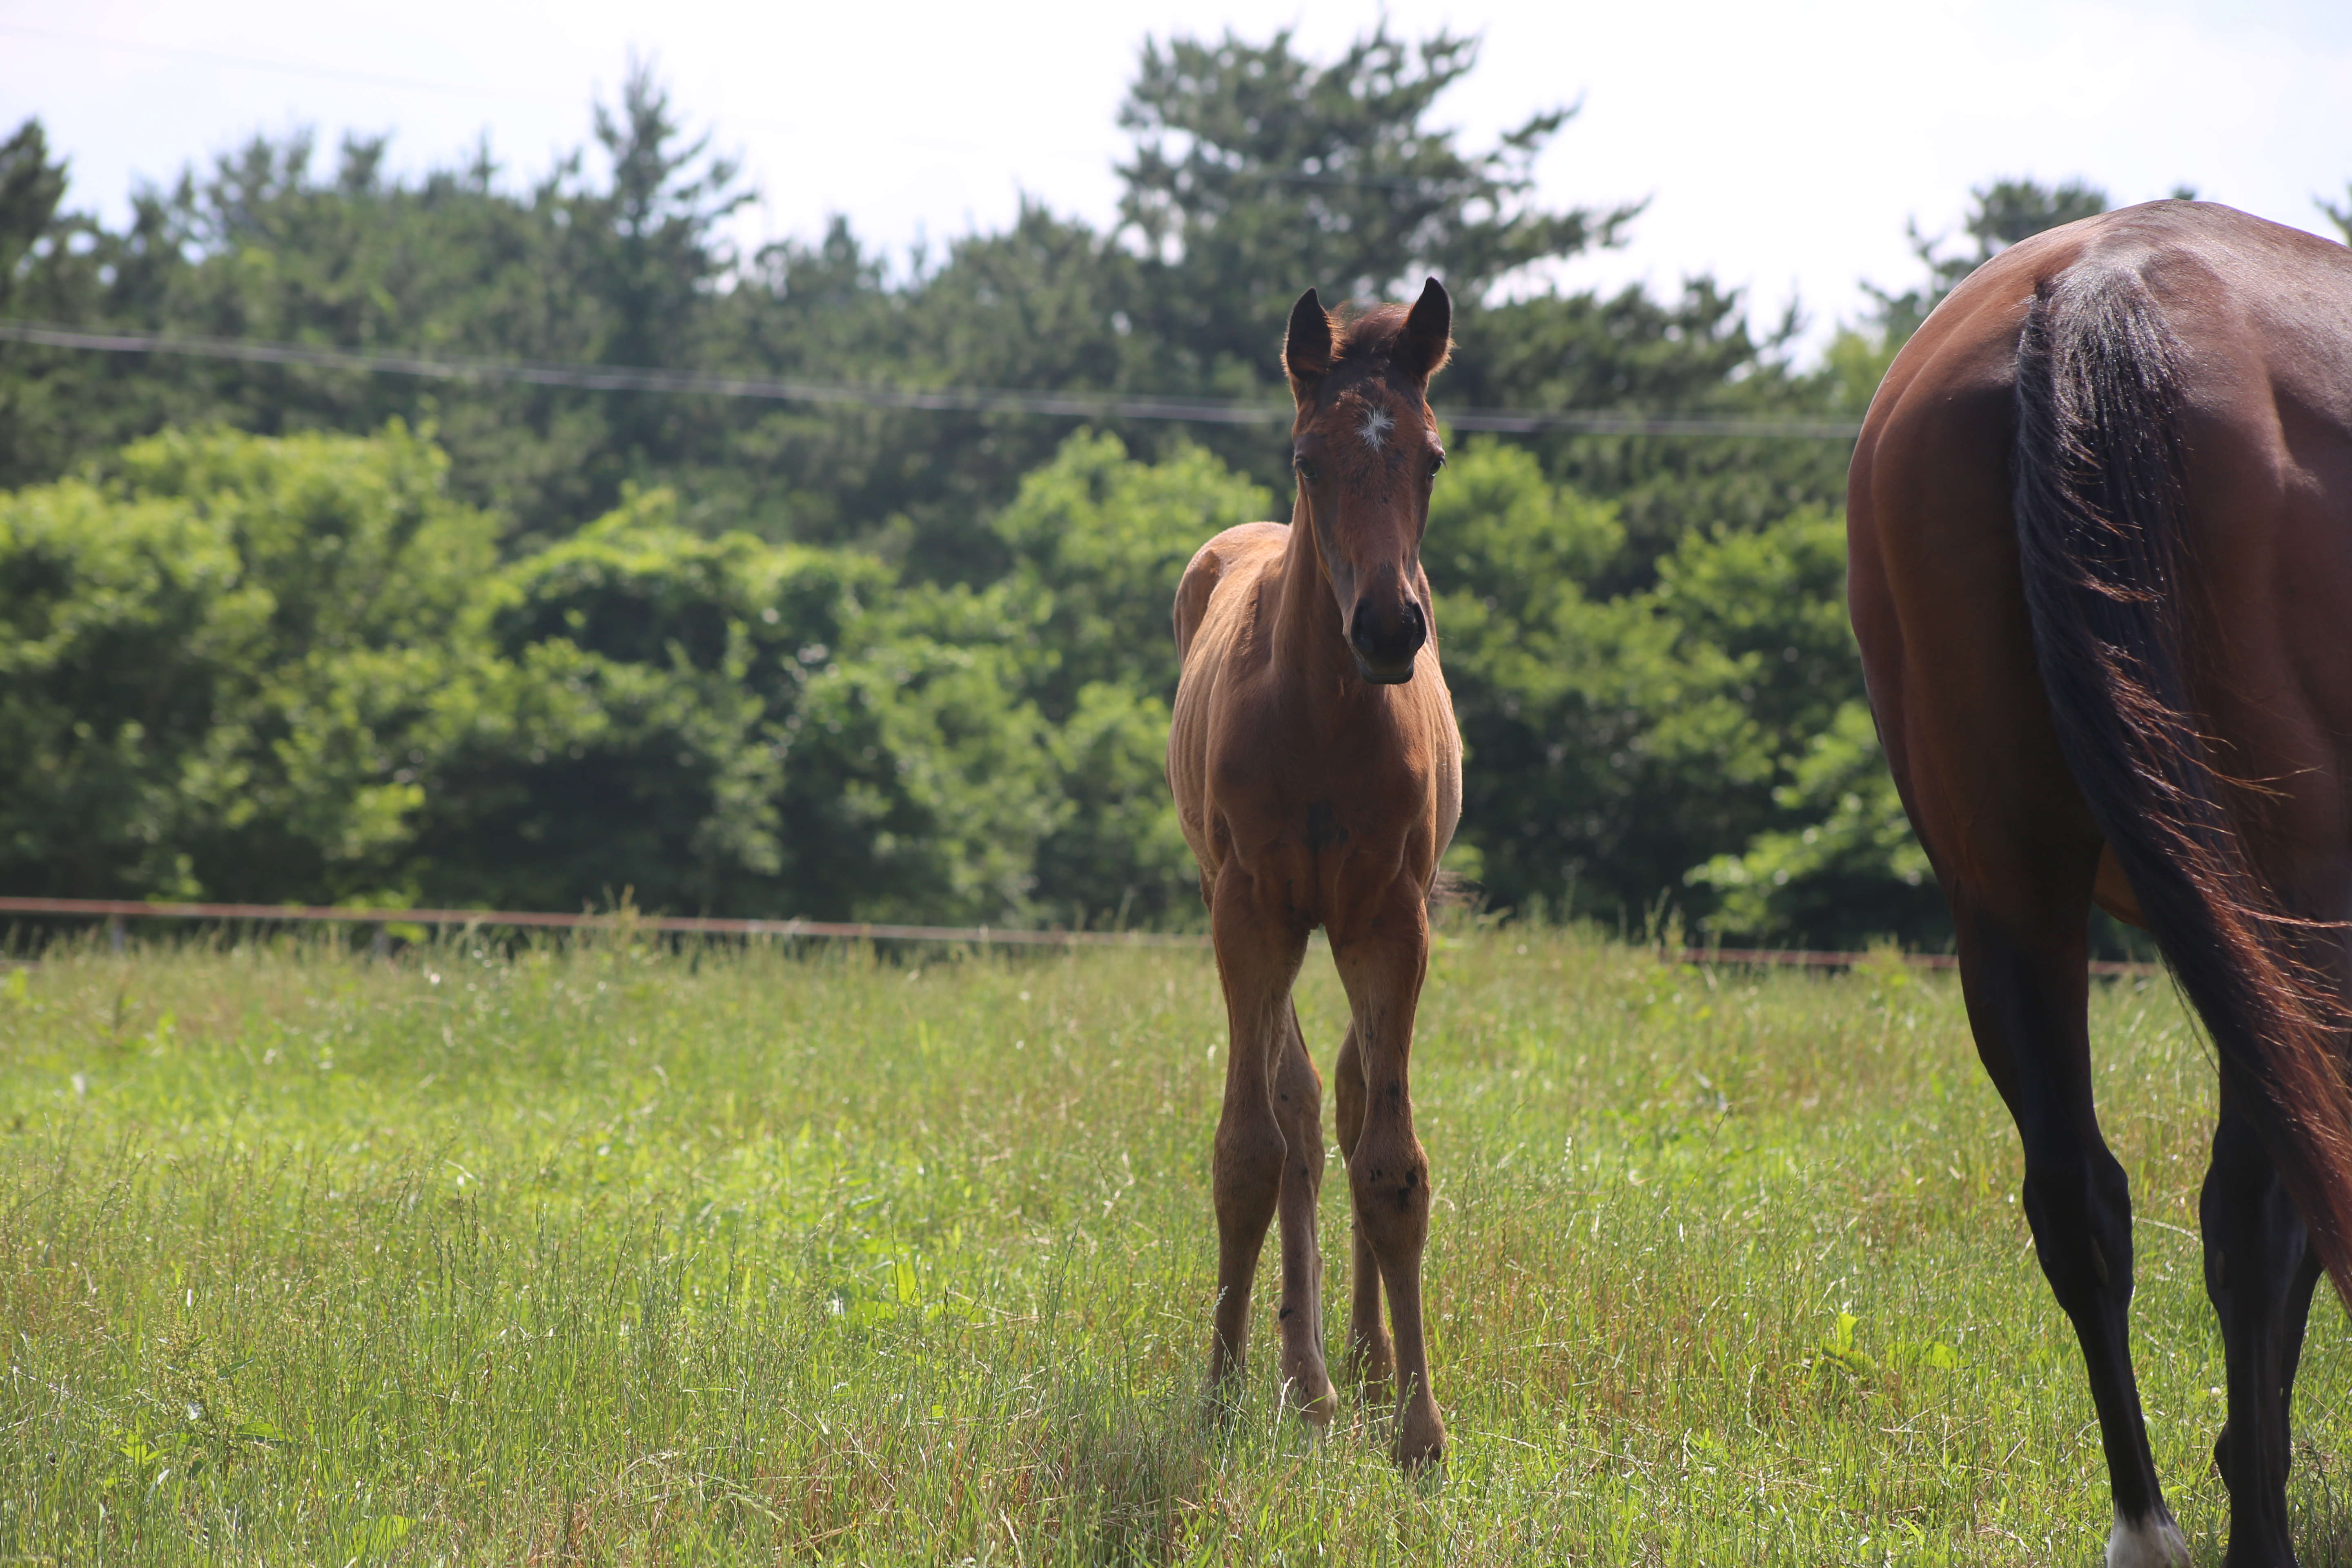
(1318, 774)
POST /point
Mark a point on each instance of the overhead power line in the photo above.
(876, 132)
(283, 68)
(966, 400)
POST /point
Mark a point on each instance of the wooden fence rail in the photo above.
(698, 925)
(1808, 960)
(115, 910)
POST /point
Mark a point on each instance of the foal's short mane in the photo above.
(1371, 337)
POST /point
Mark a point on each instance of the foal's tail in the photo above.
(2099, 521)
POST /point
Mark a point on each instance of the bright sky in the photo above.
(1783, 146)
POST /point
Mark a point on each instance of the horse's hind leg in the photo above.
(1257, 960)
(1298, 1108)
(1370, 1361)
(2259, 1271)
(2026, 986)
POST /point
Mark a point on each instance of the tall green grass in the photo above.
(621, 1254)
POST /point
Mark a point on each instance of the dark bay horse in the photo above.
(1318, 774)
(2101, 529)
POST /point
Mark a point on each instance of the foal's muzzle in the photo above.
(1385, 639)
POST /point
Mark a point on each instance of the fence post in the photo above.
(114, 933)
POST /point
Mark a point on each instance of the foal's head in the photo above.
(1366, 451)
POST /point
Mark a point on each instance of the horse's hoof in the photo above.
(2151, 1543)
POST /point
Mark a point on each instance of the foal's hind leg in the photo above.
(2259, 1270)
(2026, 987)
(1298, 1108)
(1370, 1361)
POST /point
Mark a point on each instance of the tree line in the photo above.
(287, 632)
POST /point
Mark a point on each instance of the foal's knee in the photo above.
(1391, 1184)
(1246, 1167)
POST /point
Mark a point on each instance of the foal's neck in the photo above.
(1310, 638)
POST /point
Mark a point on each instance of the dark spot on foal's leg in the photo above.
(1323, 829)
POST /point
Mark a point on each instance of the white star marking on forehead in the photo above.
(1377, 424)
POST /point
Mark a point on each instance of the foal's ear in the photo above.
(1428, 335)
(1306, 350)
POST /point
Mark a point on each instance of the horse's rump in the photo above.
(2103, 541)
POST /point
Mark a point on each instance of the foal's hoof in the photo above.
(1420, 1438)
(1314, 1400)
(1370, 1368)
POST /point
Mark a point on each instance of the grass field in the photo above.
(616, 1254)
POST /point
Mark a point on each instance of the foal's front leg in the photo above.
(1382, 958)
(1257, 960)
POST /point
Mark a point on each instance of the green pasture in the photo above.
(617, 1253)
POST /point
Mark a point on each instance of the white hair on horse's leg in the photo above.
(1377, 424)
(2154, 1542)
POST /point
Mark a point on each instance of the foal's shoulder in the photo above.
(1249, 546)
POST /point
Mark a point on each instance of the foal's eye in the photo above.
(1436, 463)
(1303, 468)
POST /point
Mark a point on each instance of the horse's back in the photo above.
(1216, 600)
(2262, 314)
(1241, 552)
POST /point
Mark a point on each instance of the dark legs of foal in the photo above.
(1269, 1153)
(2259, 1270)
(2027, 996)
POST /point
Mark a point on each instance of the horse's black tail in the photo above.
(2099, 524)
